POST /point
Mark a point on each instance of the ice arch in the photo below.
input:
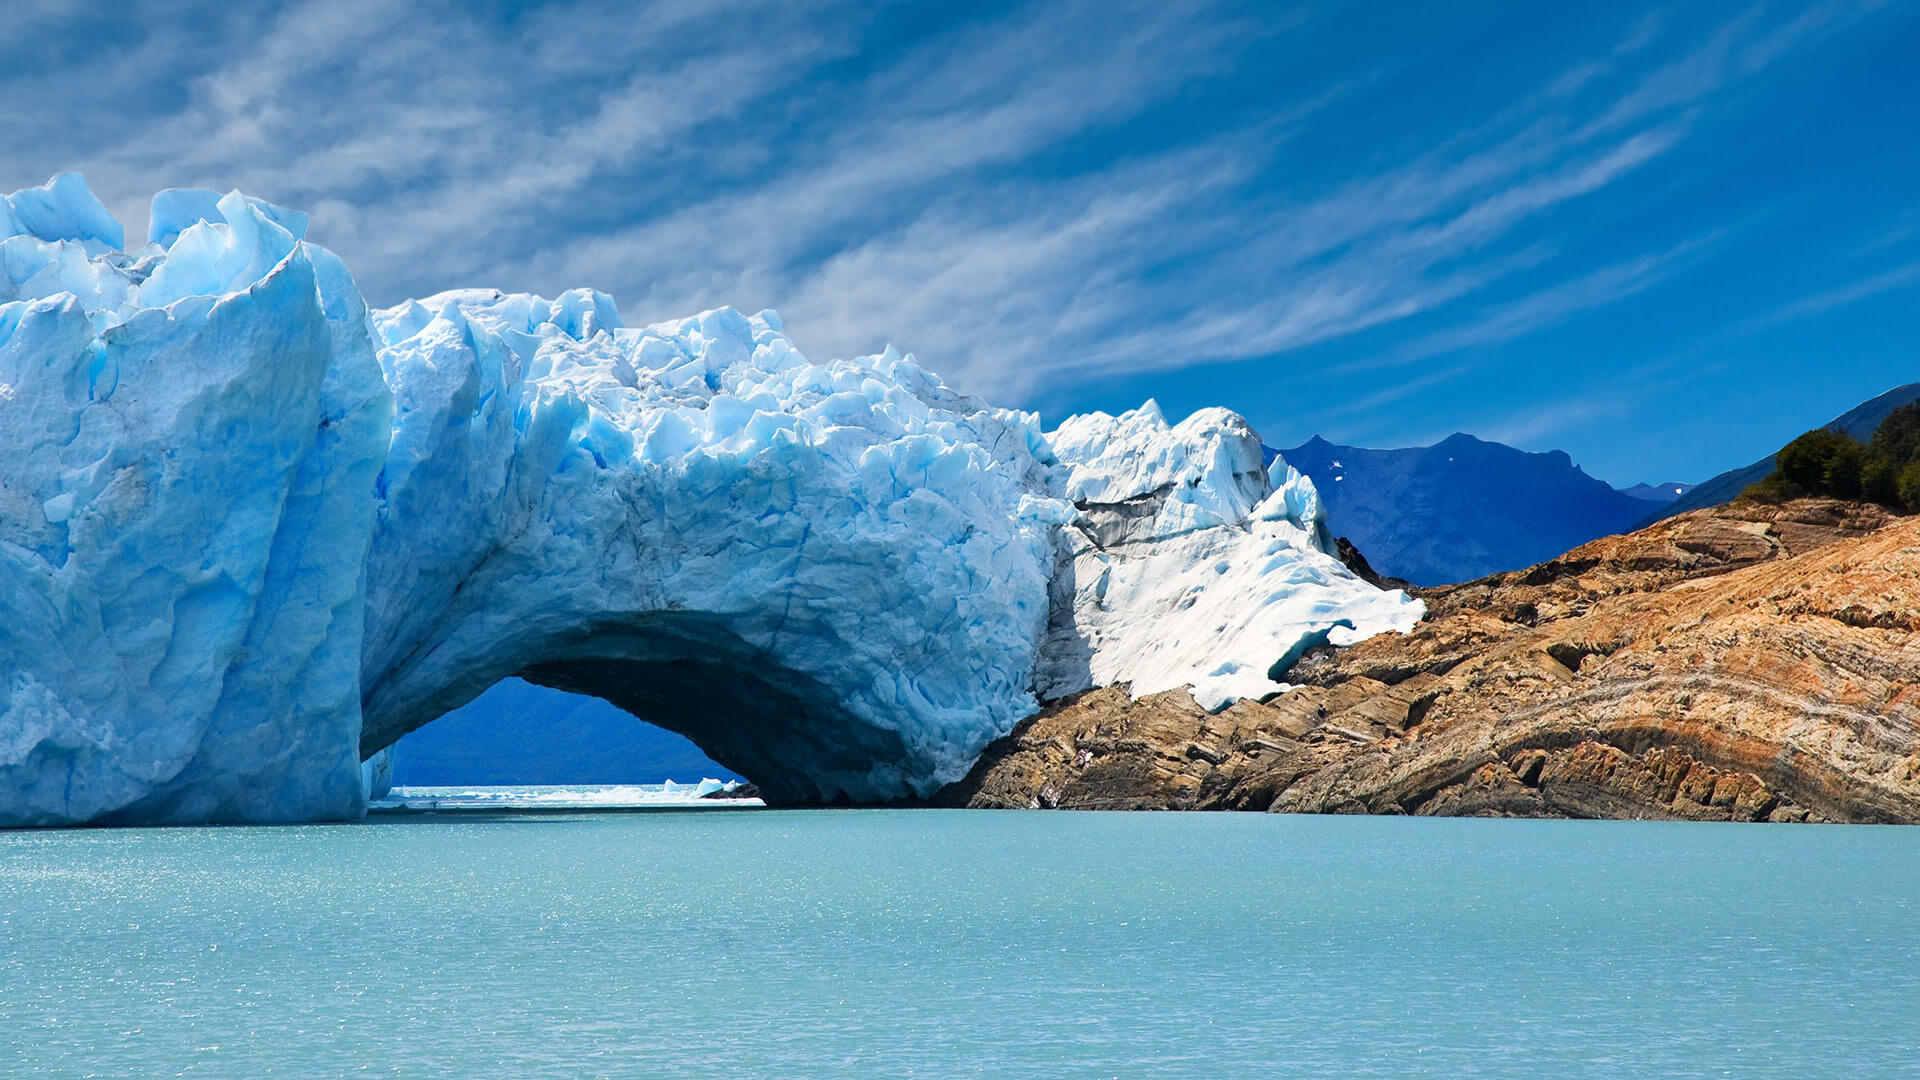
(782, 560)
(251, 533)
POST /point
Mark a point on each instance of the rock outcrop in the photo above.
(1743, 663)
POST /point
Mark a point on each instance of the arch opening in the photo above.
(692, 675)
(518, 733)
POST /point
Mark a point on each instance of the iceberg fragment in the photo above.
(63, 208)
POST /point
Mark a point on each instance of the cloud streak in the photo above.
(1055, 195)
(1820, 303)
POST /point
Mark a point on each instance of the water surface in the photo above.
(957, 943)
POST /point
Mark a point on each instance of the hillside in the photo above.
(1859, 422)
(519, 733)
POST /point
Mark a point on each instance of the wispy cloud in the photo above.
(1550, 306)
(1029, 200)
(1822, 302)
(1535, 427)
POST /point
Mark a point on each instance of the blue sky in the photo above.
(1665, 238)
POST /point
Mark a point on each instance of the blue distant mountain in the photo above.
(519, 733)
(1464, 507)
(1658, 493)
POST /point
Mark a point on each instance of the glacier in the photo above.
(252, 532)
(1188, 565)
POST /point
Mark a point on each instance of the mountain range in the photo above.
(1465, 507)
(521, 733)
(1658, 493)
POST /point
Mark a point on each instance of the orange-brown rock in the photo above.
(1744, 663)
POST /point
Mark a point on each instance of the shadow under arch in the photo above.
(693, 675)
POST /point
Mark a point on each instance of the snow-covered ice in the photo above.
(1186, 566)
(251, 533)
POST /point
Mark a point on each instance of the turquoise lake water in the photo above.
(955, 943)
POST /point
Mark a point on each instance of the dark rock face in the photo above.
(739, 791)
(1352, 558)
(1741, 664)
(1596, 780)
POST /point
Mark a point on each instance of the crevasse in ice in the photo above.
(251, 533)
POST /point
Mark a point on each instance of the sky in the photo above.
(1664, 238)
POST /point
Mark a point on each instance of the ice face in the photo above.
(251, 533)
(184, 521)
(62, 209)
(1185, 566)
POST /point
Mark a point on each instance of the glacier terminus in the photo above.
(252, 533)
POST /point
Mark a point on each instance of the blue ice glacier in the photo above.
(252, 533)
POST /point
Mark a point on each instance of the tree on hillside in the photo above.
(1907, 486)
(1822, 462)
(1898, 436)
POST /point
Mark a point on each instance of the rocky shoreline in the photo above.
(1745, 663)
